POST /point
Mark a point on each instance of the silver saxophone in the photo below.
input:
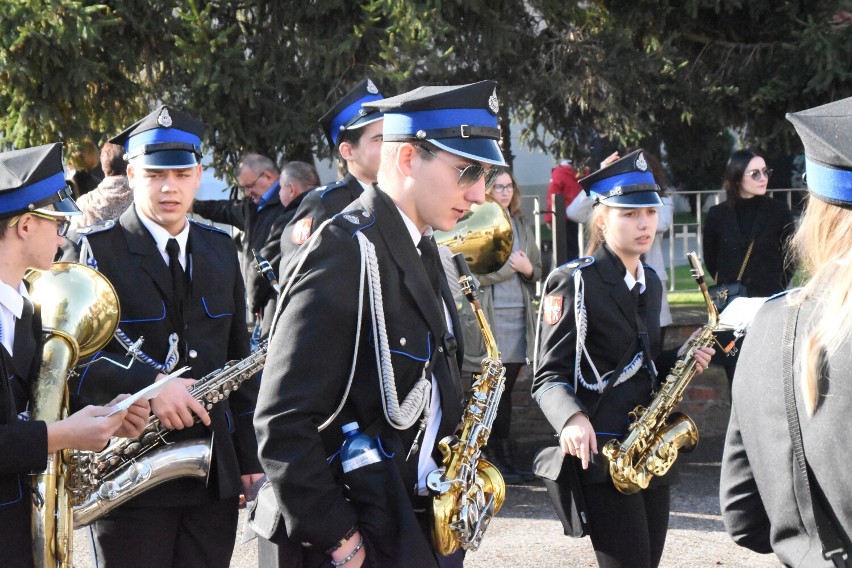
(130, 466)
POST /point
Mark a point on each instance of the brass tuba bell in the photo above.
(484, 236)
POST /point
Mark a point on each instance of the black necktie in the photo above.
(432, 264)
(178, 276)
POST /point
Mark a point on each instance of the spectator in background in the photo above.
(112, 196)
(258, 177)
(84, 172)
(506, 297)
(563, 181)
(746, 236)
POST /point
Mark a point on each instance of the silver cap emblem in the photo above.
(641, 164)
(493, 103)
(164, 119)
(371, 87)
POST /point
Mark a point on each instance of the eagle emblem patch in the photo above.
(302, 230)
(551, 309)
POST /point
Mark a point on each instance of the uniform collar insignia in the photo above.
(352, 219)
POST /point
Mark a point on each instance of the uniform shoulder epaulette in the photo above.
(353, 220)
(328, 188)
(210, 228)
(96, 228)
(577, 264)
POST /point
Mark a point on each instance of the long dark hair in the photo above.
(734, 172)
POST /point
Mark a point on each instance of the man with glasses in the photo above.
(330, 363)
(354, 134)
(182, 296)
(35, 206)
(258, 216)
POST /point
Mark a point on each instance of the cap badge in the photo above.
(371, 87)
(352, 219)
(641, 164)
(493, 103)
(164, 119)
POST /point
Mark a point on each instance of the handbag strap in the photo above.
(832, 546)
(745, 261)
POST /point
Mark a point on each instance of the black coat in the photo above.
(23, 443)
(318, 205)
(307, 372)
(214, 315)
(725, 245)
(760, 507)
(611, 334)
(257, 226)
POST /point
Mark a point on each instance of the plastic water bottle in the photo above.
(358, 448)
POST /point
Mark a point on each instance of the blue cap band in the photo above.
(829, 183)
(33, 193)
(411, 122)
(161, 135)
(623, 180)
(346, 114)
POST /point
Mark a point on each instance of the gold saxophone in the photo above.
(656, 433)
(130, 466)
(468, 490)
(79, 311)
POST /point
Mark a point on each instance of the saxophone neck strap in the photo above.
(833, 548)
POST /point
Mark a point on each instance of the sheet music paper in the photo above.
(739, 314)
(148, 392)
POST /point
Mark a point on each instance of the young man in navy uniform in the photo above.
(439, 153)
(180, 289)
(354, 133)
(35, 206)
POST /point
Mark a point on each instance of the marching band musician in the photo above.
(35, 206)
(180, 289)
(438, 155)
(600, 322)
(354, 133)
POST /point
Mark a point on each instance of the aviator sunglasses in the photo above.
(757, 174)
(470, 175)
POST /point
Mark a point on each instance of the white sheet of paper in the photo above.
(739, 314)
(148, 392)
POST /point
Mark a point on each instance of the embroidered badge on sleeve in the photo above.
(552, 308)
(302, 230)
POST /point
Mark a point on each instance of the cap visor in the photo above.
(364, 121)
(166, 160)
(638, 199)
(65, 207)
(482, 150)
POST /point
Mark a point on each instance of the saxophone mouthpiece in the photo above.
(465, 277)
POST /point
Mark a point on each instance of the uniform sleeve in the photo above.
(743, 512)
(553, 381)
(23, 447)
(223, 211)
(303, 381)
(259, 290)
(311, 206)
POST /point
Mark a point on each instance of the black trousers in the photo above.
(188, 536)
(627, 530)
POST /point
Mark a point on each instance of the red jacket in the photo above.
(563, 180)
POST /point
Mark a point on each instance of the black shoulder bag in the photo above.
(833, 548)
(724, 294)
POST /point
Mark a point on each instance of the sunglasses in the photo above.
(62, 223)
(470, 175)
(757, 174)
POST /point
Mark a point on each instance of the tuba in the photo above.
(484, 236)
(80, 312)
(468, 490)
(657, 434)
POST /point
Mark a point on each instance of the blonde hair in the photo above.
(824, 245)
(594, 230)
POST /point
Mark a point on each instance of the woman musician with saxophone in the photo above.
(599, 323)
(34, 212)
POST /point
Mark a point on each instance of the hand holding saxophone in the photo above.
(702, 356)
(175, 407)
(578, 438)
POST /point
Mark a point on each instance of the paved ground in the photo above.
(526, 532)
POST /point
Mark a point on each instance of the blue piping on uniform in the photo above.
(20, 494)
(162, 317)
(553, 386)
(204, 303)
(409, 355)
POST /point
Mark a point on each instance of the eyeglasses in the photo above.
(500, 188)
(250, 186)
(469, 175)
(62, 223)
(757, 174)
